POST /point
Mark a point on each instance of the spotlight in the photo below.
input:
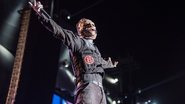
(70, 75)
(118, 101)
(68, 17)
(139, 91)
(113, 102)
(112, 80)
(65, 63)
(149, 101)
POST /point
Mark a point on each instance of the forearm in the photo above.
(52, 26)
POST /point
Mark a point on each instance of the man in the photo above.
(87, 61)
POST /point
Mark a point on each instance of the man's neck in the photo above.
(90, 40)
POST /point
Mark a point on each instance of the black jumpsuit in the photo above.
(87, 61)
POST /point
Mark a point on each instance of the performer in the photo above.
(87, 61)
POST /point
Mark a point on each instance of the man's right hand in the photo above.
(37, 6)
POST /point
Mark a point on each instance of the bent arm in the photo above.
(108, 64)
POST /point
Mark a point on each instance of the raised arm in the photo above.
(68, 37)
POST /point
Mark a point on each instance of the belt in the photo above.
(98, 83)
(95, 82)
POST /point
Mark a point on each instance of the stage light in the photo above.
(113, 102)
(149, 101)
(68, 17)
(6, 59)
(139, 91)
(59, 100)
(154, 102)
(118, 101)
(70, 75)
(146, 102)
(66, 63)
(112, 80)
(115, 80)
(6, 53)
(109, 99)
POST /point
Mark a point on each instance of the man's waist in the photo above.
(95, 78)
(93, 81)
(91, 77)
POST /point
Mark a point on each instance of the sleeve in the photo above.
(106, 64)
(103, 63)
(71, 40)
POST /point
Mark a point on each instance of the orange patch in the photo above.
(88, 59)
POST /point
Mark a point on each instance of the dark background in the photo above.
(146, 37)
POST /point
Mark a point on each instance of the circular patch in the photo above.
(88, 59)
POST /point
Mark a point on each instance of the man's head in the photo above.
(86, 29)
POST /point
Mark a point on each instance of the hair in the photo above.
(79, 25)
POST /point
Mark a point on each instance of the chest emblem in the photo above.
(88, 59)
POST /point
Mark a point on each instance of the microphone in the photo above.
(45, 13)
(42, 11)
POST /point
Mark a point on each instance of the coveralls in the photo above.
(87, 63)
